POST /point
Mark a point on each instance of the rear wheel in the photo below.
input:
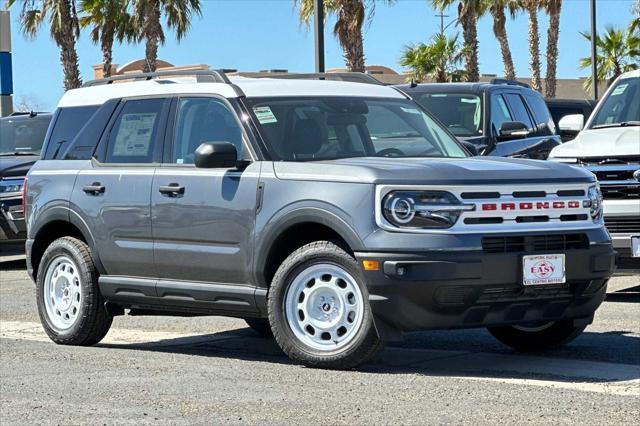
(319, 310)
(70, 305)
(537, 337)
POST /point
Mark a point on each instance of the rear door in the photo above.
(203, 230)
(114, 191)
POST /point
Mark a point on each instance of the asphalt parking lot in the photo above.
(212, 370)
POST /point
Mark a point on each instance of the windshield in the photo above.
(621, 107)
(22, 137)
(327, 128)
(460, 112)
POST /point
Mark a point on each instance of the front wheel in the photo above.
(537, 337)
(319, 309)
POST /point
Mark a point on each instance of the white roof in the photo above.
(252, 87)
(629, 74)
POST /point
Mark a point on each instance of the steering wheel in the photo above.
(390, 152)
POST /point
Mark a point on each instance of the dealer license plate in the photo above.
(543, 269)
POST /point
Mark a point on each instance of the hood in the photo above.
(17, 165)
(615, 141)
(434, 171)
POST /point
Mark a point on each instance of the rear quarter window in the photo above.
(543, 121)
(66, 126)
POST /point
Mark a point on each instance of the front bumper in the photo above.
(467, 289)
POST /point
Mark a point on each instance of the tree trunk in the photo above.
(467, 16)
(534, 45)
(152, 32)
(66, 41)
(348, 29)
(499, 29)
(107, 53)
(552, 48)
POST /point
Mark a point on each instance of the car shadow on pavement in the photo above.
(593, 357)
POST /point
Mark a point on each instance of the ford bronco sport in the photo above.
(335, 215)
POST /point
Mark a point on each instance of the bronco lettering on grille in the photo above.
(539, 205)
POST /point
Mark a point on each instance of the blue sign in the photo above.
(6, 78)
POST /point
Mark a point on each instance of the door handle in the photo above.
(96, 188)
(172, 190)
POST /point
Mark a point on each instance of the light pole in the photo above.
(318, 26)
(594, 65)
(6, 77)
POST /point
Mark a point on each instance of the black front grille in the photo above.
(623, 225)
(620, 192)
(535, 243)
(601, 161)
(606, 175)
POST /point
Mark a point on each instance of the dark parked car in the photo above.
(562, 107)
(501, 118)
(21, 137)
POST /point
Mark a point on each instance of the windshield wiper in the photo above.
(623, 124)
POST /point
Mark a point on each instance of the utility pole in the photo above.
(318, 27)
(6, 77)
(441, 15)
(594, 53)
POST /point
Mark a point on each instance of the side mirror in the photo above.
(513, 130)
(471, 147)
(216, 155)
(571, 124)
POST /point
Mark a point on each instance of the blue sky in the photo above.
(260, 34)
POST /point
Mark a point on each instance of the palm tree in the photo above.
(497, 10)
(148, 14)
(531, 7)
(109, 20)
(351, 16)
(553, 9)
(64, 28)
(634, 26)
(468, 13)
(617, 51)
(437, 60)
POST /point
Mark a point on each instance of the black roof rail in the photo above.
(509, 82)
(31, 114)
(202, 76)
(354, 77)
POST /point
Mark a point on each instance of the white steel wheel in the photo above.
(62, 292)
(324, 307)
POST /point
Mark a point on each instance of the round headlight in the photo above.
(403, 209)
(595, 198)
(422, 209)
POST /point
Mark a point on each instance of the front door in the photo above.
(203, 219)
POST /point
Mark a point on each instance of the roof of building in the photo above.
(252, 87)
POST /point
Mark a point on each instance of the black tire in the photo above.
(364, 345)
(260, 326)
(93, 321)
(557, 334)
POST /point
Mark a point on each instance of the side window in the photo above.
(519, 109)
(67, 124)
(202, 120)
(538, 107)
(133, 136)
(499, 113)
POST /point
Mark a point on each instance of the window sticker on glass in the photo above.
(134, 135)
(619, 90)
(264, 114)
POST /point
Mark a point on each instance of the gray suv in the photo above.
(334, 215)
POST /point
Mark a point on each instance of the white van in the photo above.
(609, 146)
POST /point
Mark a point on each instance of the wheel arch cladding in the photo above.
(295, 229)
(51, 231)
